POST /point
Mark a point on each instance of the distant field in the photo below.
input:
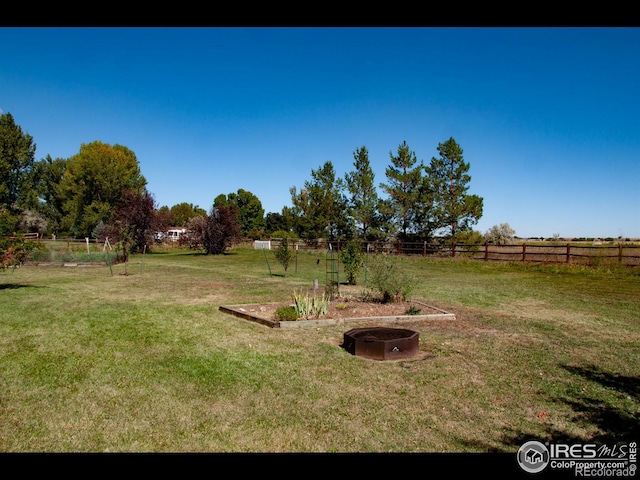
(92, 360)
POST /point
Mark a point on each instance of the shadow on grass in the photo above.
(616, 425)
(15, 286)
(611, 423)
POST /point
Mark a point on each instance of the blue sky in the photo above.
(547, 117)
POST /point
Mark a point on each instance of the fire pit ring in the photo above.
(381, 343)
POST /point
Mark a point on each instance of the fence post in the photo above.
(524, 251)
(486, 250)
(619, 252)
(453, 249)
(568, 251)
(424, 248)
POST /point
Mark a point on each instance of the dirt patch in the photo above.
(350, 309)
(345, 308)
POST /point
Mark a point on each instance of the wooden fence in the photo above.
(575, 253)
(624, 253)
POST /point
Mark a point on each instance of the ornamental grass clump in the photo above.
(319, 306)
(307, 306)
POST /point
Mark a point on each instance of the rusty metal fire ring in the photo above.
(382, 343)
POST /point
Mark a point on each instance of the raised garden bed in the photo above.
(341, 312)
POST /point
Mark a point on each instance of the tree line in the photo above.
(422, 200)
(101, 192)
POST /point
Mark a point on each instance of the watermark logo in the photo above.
(585, 460)
(533, 457)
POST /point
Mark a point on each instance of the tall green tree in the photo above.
(424, 218)
(17, 153)
(455, 210)
(47, 176)
(300, 217)
(277, 222)
(250, 212)
(183, 212)
(321, 206)
(386, 218)
(363, 196)
(93, 185)
(405, 180)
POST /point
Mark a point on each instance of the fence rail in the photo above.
(624, 253)
(568, 253)
(575, 253)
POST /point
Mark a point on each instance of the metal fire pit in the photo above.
(381, 343)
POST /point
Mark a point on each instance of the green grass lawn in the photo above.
(92, 360)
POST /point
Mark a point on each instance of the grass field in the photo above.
(92, 360)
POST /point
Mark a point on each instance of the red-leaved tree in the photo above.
(133, 224)
(216, 232)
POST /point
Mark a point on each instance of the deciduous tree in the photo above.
(17, 152)
(277, 222)
(250, 212)
(500, 234)
(94, 182)
(133, 224)
(47, 175)
(216, 232)
(165, 219)
(183, 212)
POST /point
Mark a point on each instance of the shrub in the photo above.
(284, 254)
(40, 255)
(387, 275)
(352, 258)
(283, 234)
(286, 314)
(14, 251)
